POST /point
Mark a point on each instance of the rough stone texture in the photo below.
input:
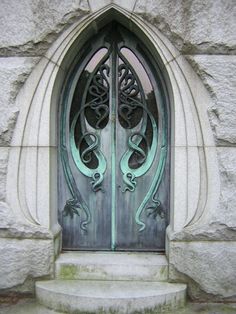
(12, 227)
(222, 225)
(97, 5)
(209, 268)
(217, 230)
(218, 74)
(226, 214)
(39, 23)
(13, 73)
(24, 259)
(194, 26)
(3, 171)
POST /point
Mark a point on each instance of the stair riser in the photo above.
(111, 272)
(79, 305)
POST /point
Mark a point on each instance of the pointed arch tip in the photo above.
(112, 8)
(109, 13)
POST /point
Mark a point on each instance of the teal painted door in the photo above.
(114, 158)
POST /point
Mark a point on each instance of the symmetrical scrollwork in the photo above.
(134, 116)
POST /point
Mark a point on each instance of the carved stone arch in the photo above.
(32, 171)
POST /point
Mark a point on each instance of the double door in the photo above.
(114, 159)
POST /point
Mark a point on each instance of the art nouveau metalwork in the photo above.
(114, 147)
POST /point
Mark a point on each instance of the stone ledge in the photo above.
(85, 296)
(120, 266)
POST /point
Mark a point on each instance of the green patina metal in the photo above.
(113, 100)
(113, 148)
(130, 174)
(92, 139)
(153, 190)
(76, 203)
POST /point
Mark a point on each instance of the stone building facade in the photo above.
(195, 43)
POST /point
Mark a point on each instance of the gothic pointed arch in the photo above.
(31, 182)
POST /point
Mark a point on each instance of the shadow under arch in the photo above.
(194, 178)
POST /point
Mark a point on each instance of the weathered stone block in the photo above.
(226, 214)
(218, 75)
(39, 22)
(12, 227)
(3, 171)
(97, 5)
(193, 26)
(13, 73)
(128, 5)
(209, 268)
(24, 259)
(213, 230)
(221, 225)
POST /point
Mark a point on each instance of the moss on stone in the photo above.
(68, 271)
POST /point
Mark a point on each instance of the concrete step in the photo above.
(120, 297)
(112, 266)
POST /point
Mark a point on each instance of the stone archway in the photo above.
(194, 177)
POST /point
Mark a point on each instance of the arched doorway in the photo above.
(195, 184)
(114, 147)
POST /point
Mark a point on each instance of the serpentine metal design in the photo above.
(132, 97)
(96, 99)
(151, 203)
(75, 205)
(98, 91)
(143, 136)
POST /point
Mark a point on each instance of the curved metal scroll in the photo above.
(99, 91)
(76, 203)
(95, 98)
(131, 97)
(146, 145)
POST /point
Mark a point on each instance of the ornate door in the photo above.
(114, 157)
